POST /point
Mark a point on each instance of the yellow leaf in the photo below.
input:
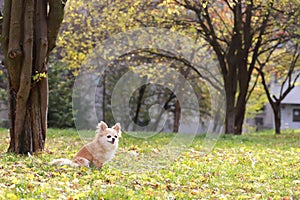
(11, 196)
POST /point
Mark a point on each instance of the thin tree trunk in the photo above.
(11, 111)
(180, 85)
(103, 97)
(277, 117)
(139, 104)
(177, 114)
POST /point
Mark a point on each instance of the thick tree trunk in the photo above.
(235, 107)
(25, 37)
(29, 119)
(238, 77)
(239, 119)
(230, 91)
(31, 137)
(230, 115)
(242, 99)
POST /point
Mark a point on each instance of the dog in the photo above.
(99, 151)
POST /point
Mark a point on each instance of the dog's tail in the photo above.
(64, 161)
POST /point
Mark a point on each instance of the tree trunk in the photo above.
(103, 98)
(139, 103)
(177, 114)
(230, 91)
(239, 119)
(26, 32)
(242, 99)
(230, 116)
(180, 85)
(277, 117)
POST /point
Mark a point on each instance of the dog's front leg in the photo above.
(82, 161)
(97, 163)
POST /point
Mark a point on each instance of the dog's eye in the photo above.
(109, 136)
(116, 136)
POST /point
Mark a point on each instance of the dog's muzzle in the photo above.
(112, 141)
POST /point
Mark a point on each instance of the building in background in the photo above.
(290, 111)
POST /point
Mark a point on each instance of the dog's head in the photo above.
(108, 137)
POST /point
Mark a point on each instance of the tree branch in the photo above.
(263, 80)
(55, 17)
(207, 30)
(248, 36)
(14, 48)
(252, 88)
(259, 41)
(214, 83)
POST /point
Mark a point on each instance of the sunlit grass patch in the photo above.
(251, 166)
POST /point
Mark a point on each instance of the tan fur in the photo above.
(99, 151)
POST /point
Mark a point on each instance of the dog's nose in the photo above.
(113, 140)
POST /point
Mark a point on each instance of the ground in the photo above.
(253, 166)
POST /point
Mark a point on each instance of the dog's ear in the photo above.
(117, 127)
(102, 126)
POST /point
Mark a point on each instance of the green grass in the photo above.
(253, 166)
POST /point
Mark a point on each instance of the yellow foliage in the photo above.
(86, 24)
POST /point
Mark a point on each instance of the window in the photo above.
(259, 121)
(296, 115)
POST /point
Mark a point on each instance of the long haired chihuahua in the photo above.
(97, 152)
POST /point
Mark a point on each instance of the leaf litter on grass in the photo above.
(246, 167)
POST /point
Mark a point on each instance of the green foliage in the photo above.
(60, 97)
(254, 166)
(38, 76)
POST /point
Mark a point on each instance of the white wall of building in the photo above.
(287, 117)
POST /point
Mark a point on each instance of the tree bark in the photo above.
(103, 98)
(139, 103)
(26, 22)
(230, 105)
(277, 117)
(177, 114)
(244, 80)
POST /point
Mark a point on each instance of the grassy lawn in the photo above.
(252, 166)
